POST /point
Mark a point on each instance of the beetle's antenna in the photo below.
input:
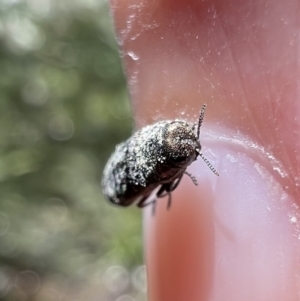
(200, 119)
(208, 164)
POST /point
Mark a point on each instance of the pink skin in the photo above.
(236, 236)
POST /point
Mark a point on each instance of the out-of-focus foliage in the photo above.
(63, 107)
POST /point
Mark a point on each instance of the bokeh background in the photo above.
(63, 107)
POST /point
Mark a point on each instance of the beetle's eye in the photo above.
(181, 159)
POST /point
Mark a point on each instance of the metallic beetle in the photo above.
(155, 156)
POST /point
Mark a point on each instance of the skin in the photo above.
(236, 236)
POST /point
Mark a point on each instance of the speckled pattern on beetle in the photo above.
(157, 155)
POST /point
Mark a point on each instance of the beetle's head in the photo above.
(181, 144)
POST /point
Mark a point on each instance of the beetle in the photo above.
(155, 156)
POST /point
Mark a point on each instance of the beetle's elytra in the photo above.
(157, 155)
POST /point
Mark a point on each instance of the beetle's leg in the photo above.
(163, 190)
(192, 178)
(175, 184)
(170, 188)
(142, 203)
(169, 200)
(160, 193)
(166, 189)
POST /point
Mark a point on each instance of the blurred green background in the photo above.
(63, 108)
